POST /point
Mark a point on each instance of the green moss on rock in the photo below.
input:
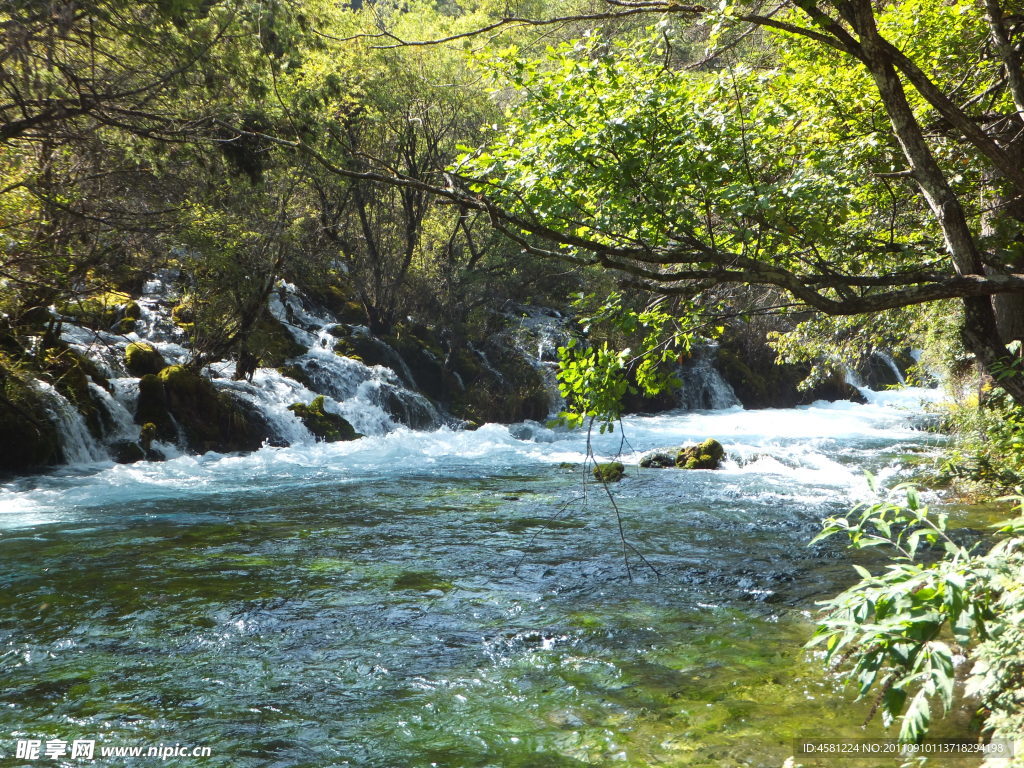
(326, 426)
(706, 455)
(151, 409)
(106, 311)
(272, 343)
(141, 359)
(609, 472)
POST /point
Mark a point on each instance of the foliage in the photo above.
(900, 633)
(595, 375)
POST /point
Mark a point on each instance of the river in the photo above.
(443, 598)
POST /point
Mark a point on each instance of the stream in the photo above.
(449, 598)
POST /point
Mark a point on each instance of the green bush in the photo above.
(897, 634)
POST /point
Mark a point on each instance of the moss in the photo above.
(609, 472)
(327, 427)
(141, 359)
(272, 343)
(706, 455)
(420, 581)
(106, 311)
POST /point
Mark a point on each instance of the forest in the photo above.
(527, 383)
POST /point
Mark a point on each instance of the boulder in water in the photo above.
(127, 452)
(658, 460)
(151, 410)
(609, 472)
(706, 455)
(141, 359)
(326, 426)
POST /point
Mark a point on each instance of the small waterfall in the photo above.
(374, 399)
(121, 424)
(544, 330)
(76, 442)
(891, 364)
(703, 386)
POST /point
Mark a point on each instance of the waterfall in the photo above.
(374, 399)
(121, 425)
(703, 386)
(538, 333)
(76, 442)
(891, 364)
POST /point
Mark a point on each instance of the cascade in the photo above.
(886, 359)
(77, 443)
(703, 386)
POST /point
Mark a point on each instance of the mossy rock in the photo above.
(706, 455)
(297, 373)
(508, 390)
(141, 359)
(24, 423)
(151, 409)
(272, 343)
(609, 472)
(183, 313)
(70, 372)
(106, 311)
(327, 427)
(209, 420)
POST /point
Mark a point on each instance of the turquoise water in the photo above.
(441, 599)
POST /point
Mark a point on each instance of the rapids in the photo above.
(444, 598)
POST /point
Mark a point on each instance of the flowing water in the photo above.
(442, 598)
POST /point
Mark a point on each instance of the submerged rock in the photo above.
(326, 426)
(609, 472)
(706, 455)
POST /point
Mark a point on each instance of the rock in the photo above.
(657, 460)
(141, 359)
(706, 455)
(271, 343)
(106, 311)
(209, 420)
(326, 426)
(24, 423)
(151, 409)
(609, 472)
(127, 452)
(298, 373)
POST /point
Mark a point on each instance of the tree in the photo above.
(902, 186)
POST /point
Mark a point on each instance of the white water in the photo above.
(810, 453)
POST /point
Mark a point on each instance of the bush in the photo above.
(898, 633)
